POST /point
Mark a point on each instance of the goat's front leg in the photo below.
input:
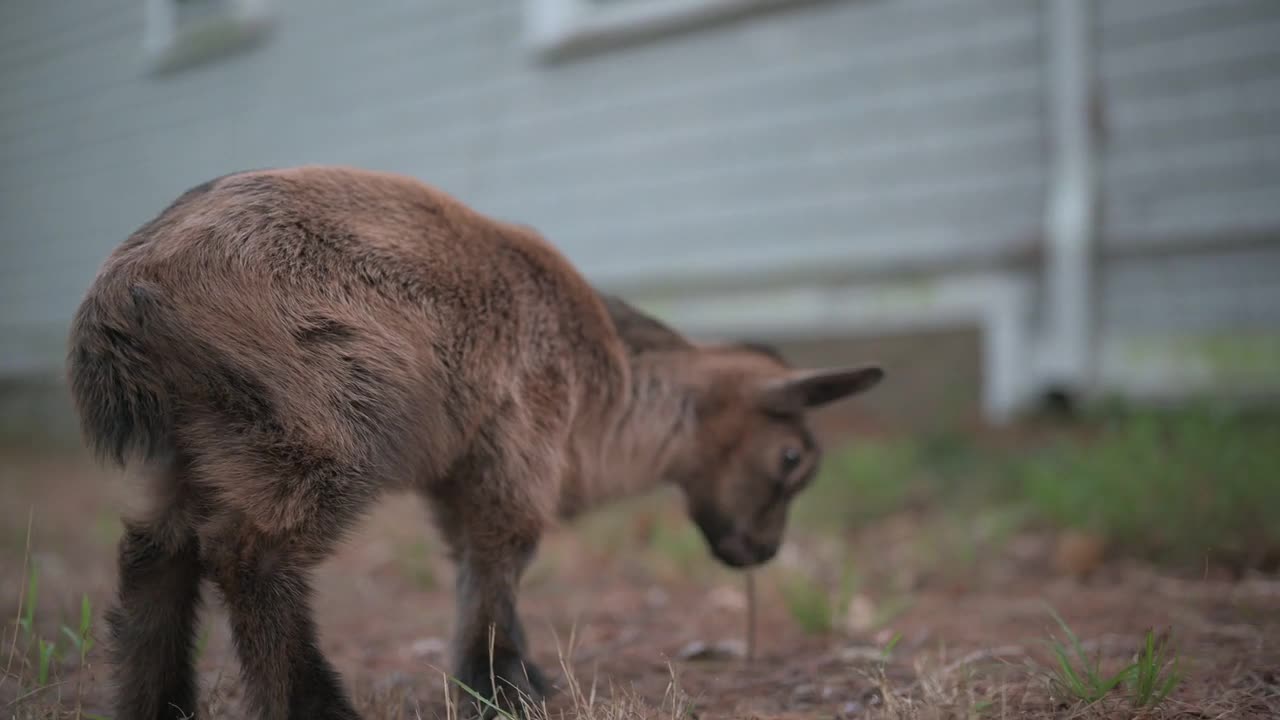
(490, 652)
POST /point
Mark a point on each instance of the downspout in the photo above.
(1066, 350)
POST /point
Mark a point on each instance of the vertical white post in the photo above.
(1006, 347)
(1066, 352)
(159, 26)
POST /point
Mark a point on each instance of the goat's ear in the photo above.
(804, 389)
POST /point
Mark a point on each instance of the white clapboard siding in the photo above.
(1191, 98)
(849, 132)
(1191, 120)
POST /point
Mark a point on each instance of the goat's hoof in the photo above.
(515, 685)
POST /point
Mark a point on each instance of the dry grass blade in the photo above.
(35, 691)
(22, 595)
(998, 653)
(751, 616)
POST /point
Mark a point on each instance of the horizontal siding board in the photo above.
(1249, 105)
(841, 74)
(993, 151)
(1191, 91)
(829, 249)
(112, 57)
(1132, 23)
(1220, 308)
(297, 72)
(1213, 71)
(41, 28)
(970, 199)
(189, 127)
(75, 50)
(1180, 142)
(1114, 16)
(873, 125)
(705, 97)
(238, 88)
(796, 108)
(1204, 214)
(794, 221)
(1250, 267)
(822, 139)
(1256, 156)
(70, 50)
(844, 132)
(1161, 59)
(1196, 292)
(844, 32)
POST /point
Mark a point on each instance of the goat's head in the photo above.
(751, 449)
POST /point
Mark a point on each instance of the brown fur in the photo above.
(278, 348)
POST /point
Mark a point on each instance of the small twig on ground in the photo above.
(751, 616)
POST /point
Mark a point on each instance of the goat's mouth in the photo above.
(740, 551)
(728, 544)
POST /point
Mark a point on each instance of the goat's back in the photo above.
(357, 324)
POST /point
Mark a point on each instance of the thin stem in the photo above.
(751, 616)
(22, 593)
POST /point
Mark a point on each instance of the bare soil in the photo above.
(616, 610)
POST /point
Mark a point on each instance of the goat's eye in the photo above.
(790, 460)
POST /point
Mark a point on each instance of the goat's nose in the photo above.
(733, 550)
(739, 550)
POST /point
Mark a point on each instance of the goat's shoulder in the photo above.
(640, 332)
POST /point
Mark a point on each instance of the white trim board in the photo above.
(997, 303)
(169, 44)
(554, 28)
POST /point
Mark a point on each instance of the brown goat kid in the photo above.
(278, 348)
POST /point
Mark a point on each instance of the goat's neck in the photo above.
(646, 440)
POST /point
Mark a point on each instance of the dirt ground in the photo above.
(966, 641)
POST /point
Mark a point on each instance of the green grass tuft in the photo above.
(1076, 673)
(814, 604)
(1171, 487)
(81, 638)
(1155, 673)
(1150, 679)
(28, 620)
(1176, 486)
(48, 653)
(809, 604)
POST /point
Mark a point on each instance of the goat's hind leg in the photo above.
(285, 674)
(491, 653)
(153, 622)
(264, 582)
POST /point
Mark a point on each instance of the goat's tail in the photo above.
(118, 383)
